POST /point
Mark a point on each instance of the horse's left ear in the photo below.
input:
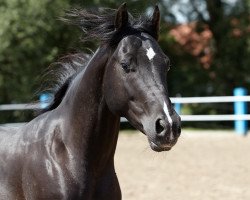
(155, 22)
(121, 18)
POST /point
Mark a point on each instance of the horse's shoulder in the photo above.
(7, 132)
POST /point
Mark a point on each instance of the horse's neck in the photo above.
(90, 129)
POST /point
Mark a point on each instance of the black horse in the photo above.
(68, 151)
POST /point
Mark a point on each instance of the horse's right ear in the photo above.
(155, 22)
(121, 18)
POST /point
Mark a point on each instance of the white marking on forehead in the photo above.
(150, 53)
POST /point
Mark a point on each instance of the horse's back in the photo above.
(18, 145)
(10, 165)
(28, 167)
(8, 142)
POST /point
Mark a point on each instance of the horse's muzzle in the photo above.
(164, 135)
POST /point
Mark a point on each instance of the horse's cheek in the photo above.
(115, 96)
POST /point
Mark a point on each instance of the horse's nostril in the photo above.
(159, 126)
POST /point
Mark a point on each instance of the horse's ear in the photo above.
(155, 22)
(121, 18)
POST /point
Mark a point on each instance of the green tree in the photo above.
(31, 37)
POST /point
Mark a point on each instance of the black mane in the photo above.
(99, 24)
(96, 25)
(62, 73)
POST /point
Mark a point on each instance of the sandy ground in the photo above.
(207, 165)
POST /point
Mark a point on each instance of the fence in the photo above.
(240, 116)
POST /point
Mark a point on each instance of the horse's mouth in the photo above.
(159, 148)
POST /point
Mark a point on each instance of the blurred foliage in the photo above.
(32, 37)
(229, 24)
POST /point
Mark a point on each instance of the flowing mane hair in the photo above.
(98, 24)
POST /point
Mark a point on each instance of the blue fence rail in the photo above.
(240, 115)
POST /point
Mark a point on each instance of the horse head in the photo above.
(135, 82)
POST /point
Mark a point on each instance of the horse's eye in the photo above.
(125, 67)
